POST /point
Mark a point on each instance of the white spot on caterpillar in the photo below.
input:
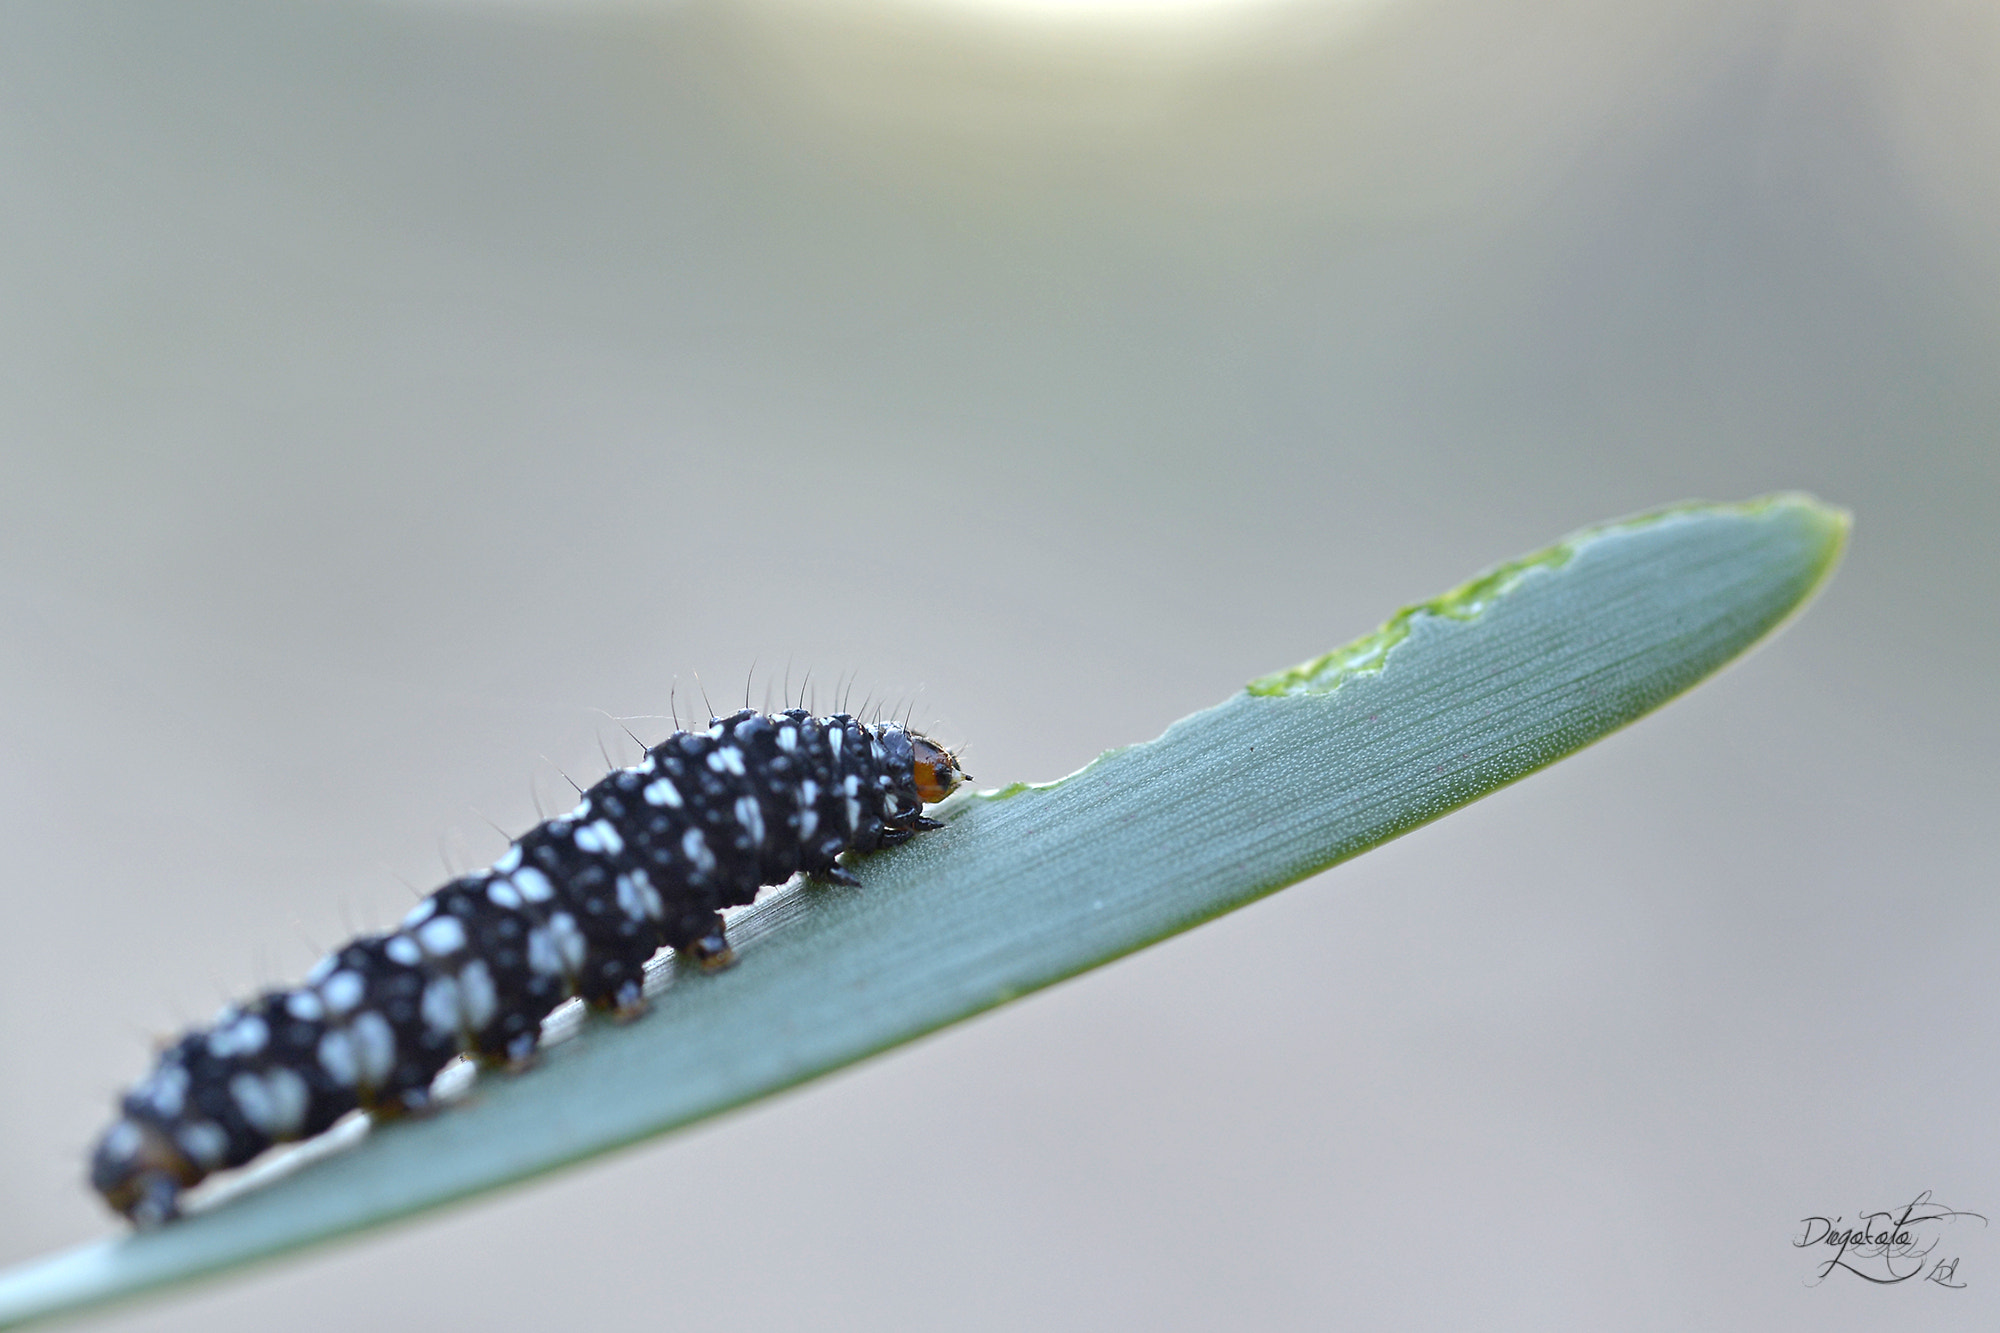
(250, 1033)
(542, 956)
(599, 836)
(534, 885)
(253, 1099)
(419, 914)
(695, 848)
(508, 861)
(808, 792)
(834, 736)
(122, 1140)
(402, 949)
(480, 1001)
(305, 1005)
(662, 792)
(570, 942)
(788, 739)
(750, 815)
(580, 812)
(344, 989)
(205, 1142)
(726, 759)
(501, 893)
(638, 898)
(440, 1005)
(166, 1090)
(324, 968)
(852, 787)
(336, 1057)
(246, 1035)
(875, 749)
(374, 1048)
(808, 823)
(441, 937)
(289, 1098)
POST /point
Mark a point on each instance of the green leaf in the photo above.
(1031, 884)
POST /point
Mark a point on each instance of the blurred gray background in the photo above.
(387, 389)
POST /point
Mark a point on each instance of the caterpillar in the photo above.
(648, 859)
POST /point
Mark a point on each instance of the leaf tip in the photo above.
(1827, 527)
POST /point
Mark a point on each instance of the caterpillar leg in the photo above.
(156, 1201)
(511, 1053)
(410, 1103)
(626, 1001)
(710, 951)
(834, 875)
(616, 985)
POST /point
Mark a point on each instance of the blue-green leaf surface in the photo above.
(1031, 884)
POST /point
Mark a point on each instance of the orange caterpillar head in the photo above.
(937, 771)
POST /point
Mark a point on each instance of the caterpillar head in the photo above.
(937, 771)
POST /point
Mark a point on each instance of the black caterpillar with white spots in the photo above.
(648, 859)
